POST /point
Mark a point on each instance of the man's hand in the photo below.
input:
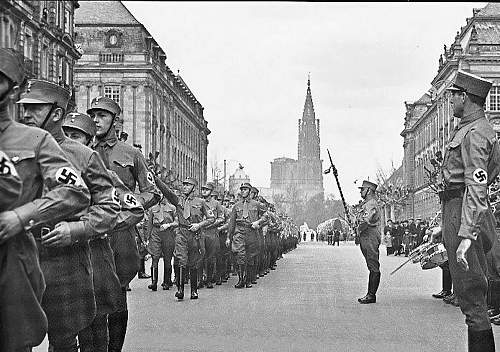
(194, 227)
(435, 233)
(228, 242)
(255, 225)
(461, 253)
(59, 237)
(10, 225)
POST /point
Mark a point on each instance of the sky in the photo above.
(247, 63)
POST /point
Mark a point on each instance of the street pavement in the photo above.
(308, 304)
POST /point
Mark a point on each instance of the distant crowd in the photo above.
(401, 237)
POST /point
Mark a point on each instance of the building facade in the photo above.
(302, 177)
(236, 179)
(43, 32)
(121, 60)
(428, 121)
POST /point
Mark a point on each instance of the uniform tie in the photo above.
(187, 209)
(245, 209)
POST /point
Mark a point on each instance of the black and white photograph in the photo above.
(276, 176)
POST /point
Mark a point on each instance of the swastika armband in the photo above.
(480, 176)
(115, 197)
(150, 178)
(6, 167)
(68, 176)
(131, 201)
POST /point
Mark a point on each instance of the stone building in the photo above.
(302, 177)
(428, 121)
(43, 31)
(236, 179)
(121, 60)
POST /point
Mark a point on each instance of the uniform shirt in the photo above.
(102, 214)
(130, 165)
(163, 213)
(194, 210)
(52, 189)
(370, 215)
(245, 212)
(10, 183)
(472, 161)
(217, 211)
(131, 210)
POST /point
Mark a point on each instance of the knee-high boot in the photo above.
(249, 276)
(241, 277)
(179, 274)
(154, 278)
(481, 341)
(117, 330)
(193, 272)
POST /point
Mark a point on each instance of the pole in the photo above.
(335, 173)
(224, 175)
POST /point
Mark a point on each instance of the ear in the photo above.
(57, 114)
(14, 93)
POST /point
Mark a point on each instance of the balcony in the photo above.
(111, 58)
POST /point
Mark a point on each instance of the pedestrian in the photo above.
(130, 166)
(471, 163)
(388, 237)
(48, 194)
(369, 239)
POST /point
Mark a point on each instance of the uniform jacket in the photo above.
(10, 183)
(243, 214)
(472, 161)
(53, 190)
(370, 216)
(130, 165)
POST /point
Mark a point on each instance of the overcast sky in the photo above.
(247, 63)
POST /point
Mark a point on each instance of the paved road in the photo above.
(308, 304)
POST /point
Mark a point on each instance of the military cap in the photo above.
(45, 92)
(471, 84)
(215, 193)
(208, 185)
(11, 65)
(190, 181)
(81, 122)
(246, 185)
(368, 184)
(254, 190)
(104, 103)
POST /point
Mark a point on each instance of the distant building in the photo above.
(43, 31)
(236, 179)
(302, 177)
(428, 121)
(121, 60)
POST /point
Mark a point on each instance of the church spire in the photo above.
(308, 113)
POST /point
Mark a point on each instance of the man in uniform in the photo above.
(471, 163)
(247, 217)
(211, 233)
(369, 239)
(131, 168)
(52, 191)
(105, 201)
(163, 219)
(10, 183)
(194, 215)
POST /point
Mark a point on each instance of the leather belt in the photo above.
(449, 194)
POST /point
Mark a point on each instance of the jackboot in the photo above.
(142, 271)
(249, 276)
(194, 284)
(481, 341)
(154, 279)
(373, 282)
(241, 281)
(167, 275)
(180, 282)
(210, 268)
(117, 325)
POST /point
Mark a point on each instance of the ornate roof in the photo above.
(104, 12)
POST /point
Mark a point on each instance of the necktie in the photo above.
(245, 210)
(187, 209)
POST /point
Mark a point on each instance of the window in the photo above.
(28, 46)
(67, 21)
(112, 92)
(44, 62)
(494, 98)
